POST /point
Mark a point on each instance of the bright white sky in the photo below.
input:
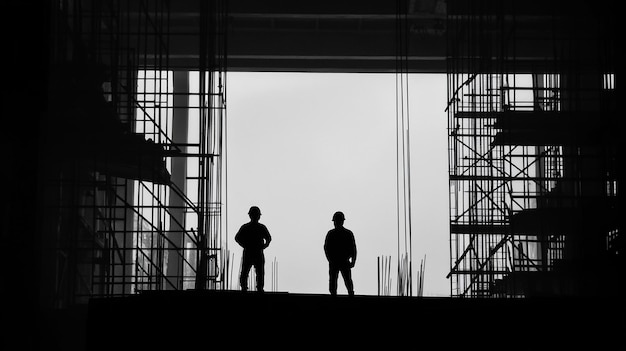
(304, 145)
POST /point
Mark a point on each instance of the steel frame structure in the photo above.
(533, 152)
(134, 154)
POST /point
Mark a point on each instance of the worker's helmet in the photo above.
(254, 211)
(338, 216)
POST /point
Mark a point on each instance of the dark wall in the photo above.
(24, 103)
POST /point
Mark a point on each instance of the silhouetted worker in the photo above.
(340, 250)
(254, 238)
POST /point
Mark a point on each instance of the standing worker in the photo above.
(340, 250)
(253, 237)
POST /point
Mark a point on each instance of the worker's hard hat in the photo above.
(254, 210)
(339, 216)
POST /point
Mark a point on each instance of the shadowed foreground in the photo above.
(213, 319)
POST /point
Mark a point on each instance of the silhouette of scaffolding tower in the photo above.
(533, 149)
(133, 160)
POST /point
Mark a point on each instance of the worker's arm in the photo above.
(267, 239)
(353, 261)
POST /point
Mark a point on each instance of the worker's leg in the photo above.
(259, 267)
(246, 265)
(333, 274)
(346, 272)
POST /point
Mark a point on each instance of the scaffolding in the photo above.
(132, 185)
(533, 149)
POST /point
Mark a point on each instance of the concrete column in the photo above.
(180, 120)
